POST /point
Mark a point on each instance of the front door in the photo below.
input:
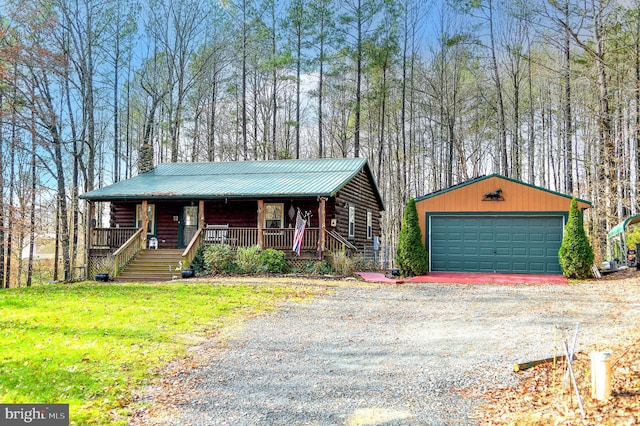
(188, 225)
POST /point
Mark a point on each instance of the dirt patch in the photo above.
(622, 274)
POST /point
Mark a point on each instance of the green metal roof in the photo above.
(481, 178)
(622, 226)
(239, 179)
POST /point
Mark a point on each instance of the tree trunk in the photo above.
(56, 250)
(11, 212)
(2, 207)
(607, 145)
(568, 133)
(636, 132)
(274, 101)
(532, 145)
(502, 130)
(32, 216)
(383, 118)
(211, 146)
(359, 55)
(245, 30)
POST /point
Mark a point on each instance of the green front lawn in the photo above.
(93, 345)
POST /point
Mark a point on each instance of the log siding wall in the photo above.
(358, 192)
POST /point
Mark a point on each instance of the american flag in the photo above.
(301, 224)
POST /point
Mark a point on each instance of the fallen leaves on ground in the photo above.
(541, 397)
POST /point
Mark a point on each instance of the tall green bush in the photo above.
(198, 263)
(218, 258)
(248, 259)
(411, 256)
(576, 253)
(274, 261)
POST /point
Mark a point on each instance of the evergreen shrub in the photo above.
(411, 256)
(576, 253)
(323, 268)
(218, 258)
(248, 259)
(198, 263)
(272, 260)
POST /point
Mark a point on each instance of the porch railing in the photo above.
(276, 238)
(282, 238)
(111, 237)
(190, 252)
(128, 251)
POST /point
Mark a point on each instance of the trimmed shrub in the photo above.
(575, 254)
(218, 258)
(198, 264)
(411, 256)
(248, 259)
(272, 260)
(323, 268)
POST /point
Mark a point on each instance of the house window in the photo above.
(352, 221)
(151, 214)
(369, 224)
(274, 215)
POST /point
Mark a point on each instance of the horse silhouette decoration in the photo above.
(493, 196)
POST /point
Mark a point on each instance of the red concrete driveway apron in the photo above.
(467, 278)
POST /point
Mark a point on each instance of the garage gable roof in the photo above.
(499, 176)
(240, 179)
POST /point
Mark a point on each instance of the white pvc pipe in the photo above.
(600, 375)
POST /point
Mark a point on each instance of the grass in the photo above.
(93, 345)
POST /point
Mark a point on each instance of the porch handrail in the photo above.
(190, 252)
(128, 251)
(338, 242)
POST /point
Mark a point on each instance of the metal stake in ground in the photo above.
(571, 355)
(573, 377)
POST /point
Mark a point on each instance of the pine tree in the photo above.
(576, 253)
(411, 256)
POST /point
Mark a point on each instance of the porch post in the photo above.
(323, 226)
(145, 221)
(201, 214)
(260, 223)
(91, 211)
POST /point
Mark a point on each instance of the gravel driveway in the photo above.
(389, 355)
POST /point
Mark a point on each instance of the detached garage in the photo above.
(494, 224)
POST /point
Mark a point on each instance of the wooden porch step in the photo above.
(153, 265)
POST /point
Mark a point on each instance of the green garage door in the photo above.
(518, 244)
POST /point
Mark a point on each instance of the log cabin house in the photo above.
(177, 207)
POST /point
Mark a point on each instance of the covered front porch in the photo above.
(187, 225)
